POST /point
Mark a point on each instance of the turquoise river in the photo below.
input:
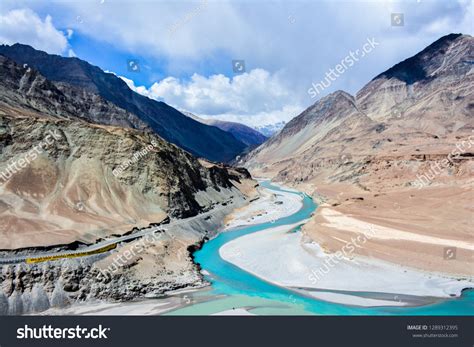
(233, 287)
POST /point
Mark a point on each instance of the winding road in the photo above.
(102, 246)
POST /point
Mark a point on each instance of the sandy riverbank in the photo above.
(269, 206)
(295, 260)
(286, 259)
(429, 229)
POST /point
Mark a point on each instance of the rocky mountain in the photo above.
(76, 169)
(398, 154)
(116, 175)
(245, 134)
(28, 88)
(199, 139)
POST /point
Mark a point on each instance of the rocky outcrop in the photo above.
(24, 87)
(90, 182)
(81, 181)
(160, 263)
(74, 171)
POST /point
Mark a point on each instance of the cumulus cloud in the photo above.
(295, 42)
(254, 98)
(69, 33)
(295, 35)
(301, 40)
(131, 84)
(25, 26)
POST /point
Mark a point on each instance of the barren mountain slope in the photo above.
(398, 155)
(170, 124)
(89, 181)
(66, 181)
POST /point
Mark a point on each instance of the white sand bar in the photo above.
(270, 206)
(284, 259)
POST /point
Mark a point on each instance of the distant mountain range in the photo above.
(199, 139)
(270, 129)
(251, 137)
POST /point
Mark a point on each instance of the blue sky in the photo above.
(185, 49)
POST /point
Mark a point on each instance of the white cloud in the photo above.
(139, 89)
(301, 39)
(295, 42)
(260, 119)
(71, 53)
(69, 33)
(254, 98)
(25, 26)
(467, 23)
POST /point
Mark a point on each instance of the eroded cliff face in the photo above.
(399, 154)
(66, 178)
(148, 267)
(94, 177)
(74, 171)
(26, 89)
(424, 101)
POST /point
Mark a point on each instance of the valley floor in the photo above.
(288, 257)
(295, 260)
